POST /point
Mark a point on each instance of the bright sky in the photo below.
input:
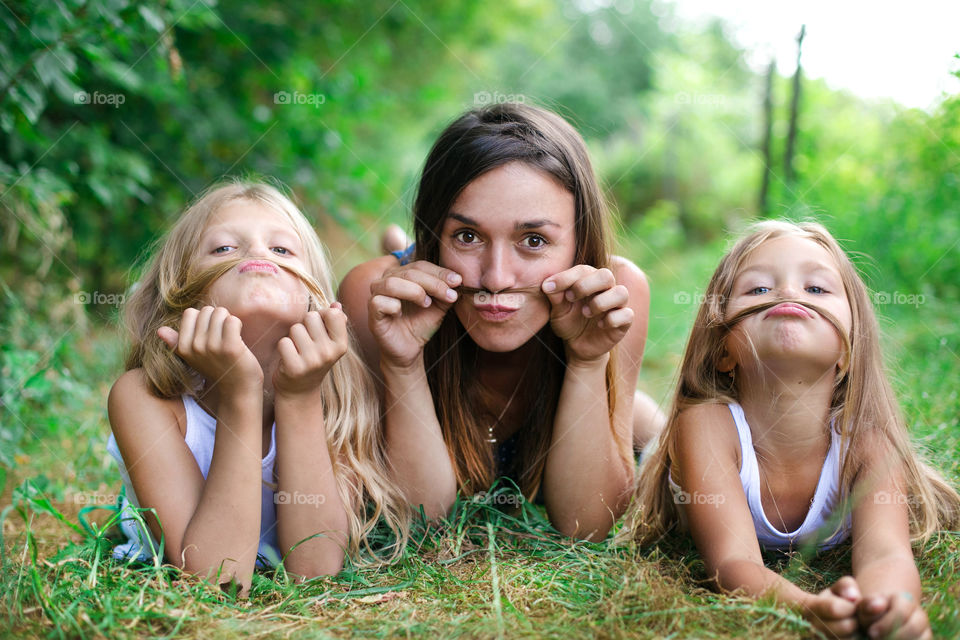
(878, 49)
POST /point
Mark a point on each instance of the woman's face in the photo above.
(255, 288)
(513, 227)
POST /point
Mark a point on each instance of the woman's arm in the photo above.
(589, 469)
(210, 527)
(388, 308)
(883, 563)
(312, 526)
(707, 470)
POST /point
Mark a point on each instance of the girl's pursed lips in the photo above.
(258, 265)
(789, 309)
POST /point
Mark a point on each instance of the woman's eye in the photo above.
(283, 251)
(816, 289)
(756, 291)
(534, 241)
(222, 249)
(466, 237)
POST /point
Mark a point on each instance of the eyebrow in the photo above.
(810, 265)
(519, 226)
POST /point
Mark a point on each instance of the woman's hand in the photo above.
(310, 350)
(407, 307)
(894, 615)
(589, 311)
(209, 342)
(833, 611)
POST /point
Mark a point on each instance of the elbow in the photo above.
(321, 567)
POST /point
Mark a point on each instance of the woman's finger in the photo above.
(435, 287)
(451, 277)
(617, 319)
(381, 307)
(402, 289)
(590, 284)
(618, 296)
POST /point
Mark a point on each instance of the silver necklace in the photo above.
(490, 437)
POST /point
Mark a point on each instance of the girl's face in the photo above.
(788, 336)
(254, 288)
(513, 227)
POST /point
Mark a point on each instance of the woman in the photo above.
(511, 343)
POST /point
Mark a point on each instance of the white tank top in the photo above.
(817, 526)
(201, 427)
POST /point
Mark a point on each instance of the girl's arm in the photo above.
(311, 516)
(589, 468)
(883, 563)
(210, 527)
(707, 470)
(389, 309)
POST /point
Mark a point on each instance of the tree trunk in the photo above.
(794, 108)
(765, 145)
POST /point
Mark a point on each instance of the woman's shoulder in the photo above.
(629, 275)
(131, 401)
(356, 284)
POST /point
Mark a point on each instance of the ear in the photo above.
(726, 362)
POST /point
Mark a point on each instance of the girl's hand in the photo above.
(833, 611)
(209, 342)
(895, 615)
(311, 348)
(407, 307)
(589, 311)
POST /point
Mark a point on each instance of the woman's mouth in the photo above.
(789, 309)
(258, 265)
(495, 312)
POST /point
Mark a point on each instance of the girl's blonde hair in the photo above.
(863, 408)
(351, 411)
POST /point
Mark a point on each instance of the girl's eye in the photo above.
(283, 251)
(815, 289)
(466, 236)
(222, 249)
(534, 241)
(756, 291)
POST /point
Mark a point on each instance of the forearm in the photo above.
(586, 479)
(222, 536)
(308, 501)
(755, 580)
(885, 575)
(416, 451)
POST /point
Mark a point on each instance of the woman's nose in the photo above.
(497, 270)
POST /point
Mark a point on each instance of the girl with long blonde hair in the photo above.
(785, 432)
(246, 423)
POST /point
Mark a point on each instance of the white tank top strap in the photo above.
(825, 501)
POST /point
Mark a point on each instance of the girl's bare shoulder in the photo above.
(132, 403)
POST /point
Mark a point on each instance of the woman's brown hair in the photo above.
(477, 142)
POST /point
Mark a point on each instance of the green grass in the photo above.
(483, 573)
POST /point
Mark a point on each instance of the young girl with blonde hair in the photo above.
(785, 432)
(246, 423)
